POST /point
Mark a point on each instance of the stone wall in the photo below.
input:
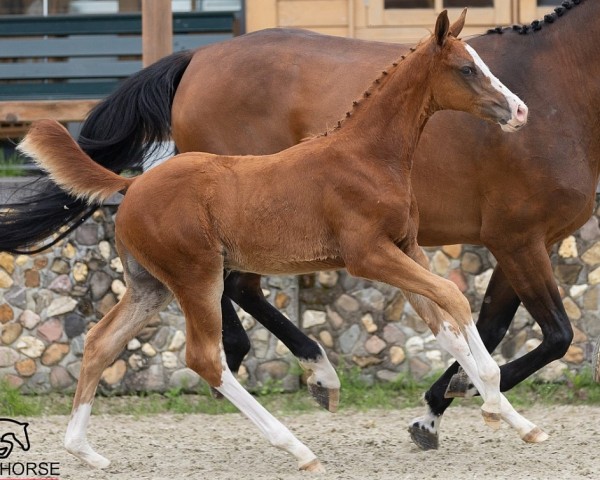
(49, 301)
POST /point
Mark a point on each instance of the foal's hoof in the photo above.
(596, 361)
(423, 438)
(460, 386)
(90, 457)
(536, 435)
(313, 467)
(328, 398)
(492, 419)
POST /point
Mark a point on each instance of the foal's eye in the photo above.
(467, 70)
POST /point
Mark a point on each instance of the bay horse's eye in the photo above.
(467, 70)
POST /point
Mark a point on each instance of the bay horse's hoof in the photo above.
(423, 438)
(492, 419)
(536, 435)
(460, 386)
(313, 467)
(216, 394)
(328, 398)
(596, 361)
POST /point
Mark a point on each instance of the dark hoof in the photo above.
(459, 385)
(423, 438)
(216, 394)
(596, 361)
(328, 398)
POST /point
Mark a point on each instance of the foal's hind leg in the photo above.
(203, 330)
(144, 297)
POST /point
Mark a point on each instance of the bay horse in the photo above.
(531, 191)
(341, 199)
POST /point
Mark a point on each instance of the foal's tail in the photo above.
(120, 133)
(51, 146)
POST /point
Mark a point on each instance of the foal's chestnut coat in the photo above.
(343, 199)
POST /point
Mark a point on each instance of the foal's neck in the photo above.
(387, 122)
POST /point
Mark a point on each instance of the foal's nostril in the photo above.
(521, 114)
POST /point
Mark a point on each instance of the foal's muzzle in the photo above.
(518, 117)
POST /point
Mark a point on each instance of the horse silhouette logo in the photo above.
(12, 432)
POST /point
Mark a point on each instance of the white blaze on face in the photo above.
(517, 107)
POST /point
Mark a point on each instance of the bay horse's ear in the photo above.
(442, 26)
(457, 26)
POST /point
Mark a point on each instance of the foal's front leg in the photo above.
(455, 332)
(527, 430)
(494, 318)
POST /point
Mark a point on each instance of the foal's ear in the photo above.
(457, 26)
(442, 26)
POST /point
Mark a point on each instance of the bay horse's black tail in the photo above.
(119, 133)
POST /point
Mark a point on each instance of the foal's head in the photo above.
(461, 81)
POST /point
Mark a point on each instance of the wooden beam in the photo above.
(31, 110)
(157, 30)
(14, 131)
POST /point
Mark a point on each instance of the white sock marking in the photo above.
(76, 441)
(277, 433)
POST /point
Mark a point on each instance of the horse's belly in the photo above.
(291, 253)
(268, 264)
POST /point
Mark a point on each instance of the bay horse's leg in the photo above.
(203, 330)
(235, 340)
(454, 329)
(145, 296)
(530, 272)
(323, 383)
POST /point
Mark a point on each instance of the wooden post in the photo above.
(157, 30)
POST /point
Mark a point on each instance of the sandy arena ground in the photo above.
(351, 445)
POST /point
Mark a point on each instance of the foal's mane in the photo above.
(378, 82)
(537, 25)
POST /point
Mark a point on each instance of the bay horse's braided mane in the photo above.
(536, 25)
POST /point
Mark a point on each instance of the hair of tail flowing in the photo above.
(119, 133)
(51, 146)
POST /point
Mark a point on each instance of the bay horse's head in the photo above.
(462, 81)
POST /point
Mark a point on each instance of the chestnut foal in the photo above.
(342, 199)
